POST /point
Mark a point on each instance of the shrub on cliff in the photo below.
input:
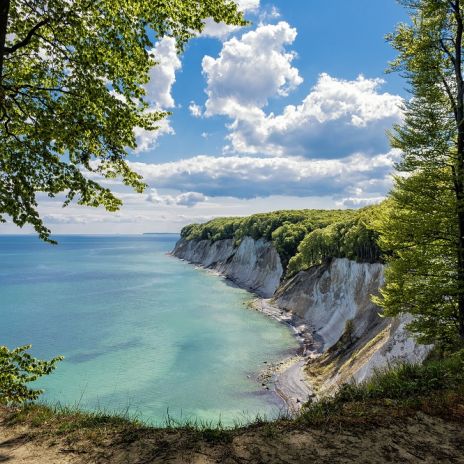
(17, 369)
(435, 387)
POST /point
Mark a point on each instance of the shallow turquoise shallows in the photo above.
(140, 330)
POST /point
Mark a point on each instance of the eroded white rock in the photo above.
(254, 264)
(327, 296)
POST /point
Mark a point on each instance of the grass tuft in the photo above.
(65, 419)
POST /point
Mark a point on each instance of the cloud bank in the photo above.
(188, 199)
(250, 177)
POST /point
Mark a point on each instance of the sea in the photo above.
(143, 333)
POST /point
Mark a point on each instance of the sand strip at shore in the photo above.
(289, 379)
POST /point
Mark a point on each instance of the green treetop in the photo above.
(72, 76)
(303, 238)
(423, 225)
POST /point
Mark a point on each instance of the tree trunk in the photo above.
(4, 11)
(459, 167)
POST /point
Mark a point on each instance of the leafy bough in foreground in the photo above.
(17, 369)
(73, 78)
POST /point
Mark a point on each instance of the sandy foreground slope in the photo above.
(419, 439)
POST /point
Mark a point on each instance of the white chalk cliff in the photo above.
(254, 264)
(323, 298)
(327, 296)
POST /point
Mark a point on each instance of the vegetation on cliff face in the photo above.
(302, 238)
(435, 386)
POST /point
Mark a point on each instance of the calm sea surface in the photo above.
(140, 330)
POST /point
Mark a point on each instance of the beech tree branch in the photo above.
(447, 51)
(27, 39)
(449, 93)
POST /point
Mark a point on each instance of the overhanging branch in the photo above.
(27, 39)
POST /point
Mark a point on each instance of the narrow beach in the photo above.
(288, 378)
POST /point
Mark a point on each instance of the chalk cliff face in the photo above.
(327, 296)
(395, 345)
(254, 264)
(324, 298)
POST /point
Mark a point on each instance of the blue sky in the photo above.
(290, 112)
(343, 39)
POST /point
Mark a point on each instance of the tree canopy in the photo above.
(423, 225)
(17, 369)
(72, 78)
(303, 238)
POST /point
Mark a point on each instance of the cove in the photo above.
(141, 331)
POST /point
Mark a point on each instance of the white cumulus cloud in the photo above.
(195, 110)
(250, 70)
(337, 118)
(247, 5)
(188, 199)
(354, 202)
(159, 90)
(163, 74)
(146, 140)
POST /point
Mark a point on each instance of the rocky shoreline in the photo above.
(288, 377)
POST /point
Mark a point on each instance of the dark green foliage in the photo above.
(423, 221)
(355, 238)
(302, 238)
(262, 225)
(288, 236)
(217, 229)
(17, 369)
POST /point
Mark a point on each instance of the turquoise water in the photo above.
(140, 330)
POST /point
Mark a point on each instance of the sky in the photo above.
(290, 112)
